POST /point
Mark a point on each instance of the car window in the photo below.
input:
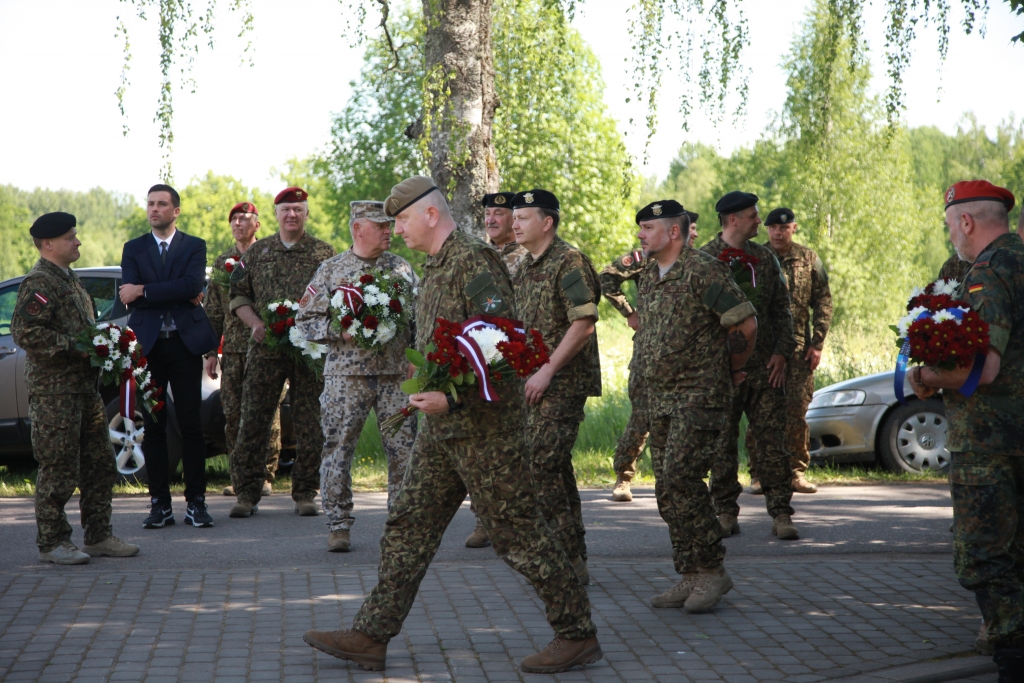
(103, 290)
(8, 299)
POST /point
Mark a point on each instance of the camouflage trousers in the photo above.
(232, 376)
(71, 442)
(265, 375)
(551, 429)
(496, 475)
(682, 447)
(634, 438)
(988, 546)
(344, 407)
(799, 391)
(765, 407)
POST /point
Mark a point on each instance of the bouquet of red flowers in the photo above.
(118, 355)
(282, 335)
(484, 350)
(372, 310)
(941, 332)
(222, 276)
(742, 266)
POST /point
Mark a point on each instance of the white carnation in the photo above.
(386, 333)
(488, 339)
(132, 345)
(100, 340)
(943, 316)
(338, 302)
(271, 307)
(367, 332)
(371, 289)
(946, 286)
(296, 337)
(108, 365)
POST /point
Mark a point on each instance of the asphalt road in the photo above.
(849, 521)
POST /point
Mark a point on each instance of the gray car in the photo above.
(860, 420)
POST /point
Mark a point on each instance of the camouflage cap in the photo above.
(406, 193)
(368, 209)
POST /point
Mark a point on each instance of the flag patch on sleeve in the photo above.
(42, 299)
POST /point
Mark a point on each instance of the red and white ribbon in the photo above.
(353, 297)
(127, 400)
(470, 350)
(753, 276)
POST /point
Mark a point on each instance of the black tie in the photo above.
(163, 261)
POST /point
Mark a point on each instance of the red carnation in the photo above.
(126, 374)
(157, 392)
(278, 327)
(395, 305)
(229, 267)
(290, 322)
(142, 362)
(370, 322)
(282, 310)
(122, 343)
(129, 333)
(158, 407)
(346, 322)
(366, 278)
(102, 351)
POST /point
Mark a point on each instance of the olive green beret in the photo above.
(406, 193)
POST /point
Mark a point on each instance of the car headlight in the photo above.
(834, 399)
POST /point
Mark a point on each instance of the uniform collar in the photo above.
(56, 270)
(437, 259)
(1010, 239)
(298, 246)
(555, 244)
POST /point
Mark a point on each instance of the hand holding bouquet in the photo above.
(742, 266)
(371, 310)
(282, 335)
(118, 355)
(222, 276)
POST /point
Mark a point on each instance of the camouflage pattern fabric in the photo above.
(765, 407)
(514, 255)
(552, 292)
(70, 438)
(634, 437)
(954, 269)
(232, 378)
(988, 546)
(683, 444)
(809, 294)
(497, 477)
(478, 449)
(551, 429)
(992, 419)
(623, 269)
(235, 332)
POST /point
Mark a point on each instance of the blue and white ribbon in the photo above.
(968, 388)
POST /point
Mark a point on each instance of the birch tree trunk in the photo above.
(460, 70)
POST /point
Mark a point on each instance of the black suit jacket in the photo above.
(168, 288)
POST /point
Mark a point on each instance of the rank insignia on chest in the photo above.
(975, 288)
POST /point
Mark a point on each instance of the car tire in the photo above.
(913, 438)
(127, 443)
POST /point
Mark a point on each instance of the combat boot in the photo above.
(579, 565)
(755, 487)
(783, 527)
(801, 485)
(730, 525)
(268, 489)
(562, 655)
(351, 645)
(306, 508)
(228, 491)
(111, 546)
(65, 553)
(708, 589)
(243, 508)
(982, 645)
(621, 492)
(339, 541)
(677, 594)
(478, 539)
(1010, 663)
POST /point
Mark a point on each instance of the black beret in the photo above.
(734, 202)
(535, 199)
(693, 216)
(663, 208)
(51, 225)
(780, 215)
(498, 200)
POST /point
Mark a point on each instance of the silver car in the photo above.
(860, 420)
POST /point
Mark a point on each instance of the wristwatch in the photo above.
(453, 406)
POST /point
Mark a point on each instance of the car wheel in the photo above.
(913, 438)
(127, 437)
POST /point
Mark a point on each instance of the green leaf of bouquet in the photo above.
(411, 386)
(415, 357)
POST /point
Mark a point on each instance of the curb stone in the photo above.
(927, 672)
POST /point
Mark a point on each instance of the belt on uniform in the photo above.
(167, 334)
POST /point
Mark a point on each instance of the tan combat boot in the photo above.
(801, 485)
(580, 567)
(339, 541)
(730, 525)
(65, 553)
(755, 487)
(243, 508)
(268, 489)
(351, 645)
(478, 539)
(708, 589)
(562, 655)
(783, 527)
(677, 594)
(621, 492)
(228, 491)
(306, 508)
(111, 546)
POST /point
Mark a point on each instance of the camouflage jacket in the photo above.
(809, 293)
(274, 272)
(774, 317)
(235, 333)
(467, 277)
(992, 419)
(53, 308)
(313, 318)
(626, 267)
(552, 292)
(684, 318)
(514, 254)
(954, 268)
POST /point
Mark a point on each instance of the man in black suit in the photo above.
(163, 275)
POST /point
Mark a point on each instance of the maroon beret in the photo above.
(978, 191)
(243, 207)
(291, 194)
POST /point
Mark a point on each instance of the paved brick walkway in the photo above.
(473, 621)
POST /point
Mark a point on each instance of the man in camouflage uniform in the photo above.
(276, 268)
(70, 440)
(357, 380)
(955, 268)
(762, 397)
(498, 225)
(557, 292)
(244, 220)
(808, 292)
(986, 428)
(466, 445)
(699, 330)
(634, 438)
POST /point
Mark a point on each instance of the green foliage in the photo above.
(205, 204)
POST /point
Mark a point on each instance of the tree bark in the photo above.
(462, 159)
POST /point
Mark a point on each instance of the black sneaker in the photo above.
(196, 514)
(159, 516)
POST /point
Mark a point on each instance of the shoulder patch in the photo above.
(718, 299)
(484, 294)
(575, 287)
(239, 273)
